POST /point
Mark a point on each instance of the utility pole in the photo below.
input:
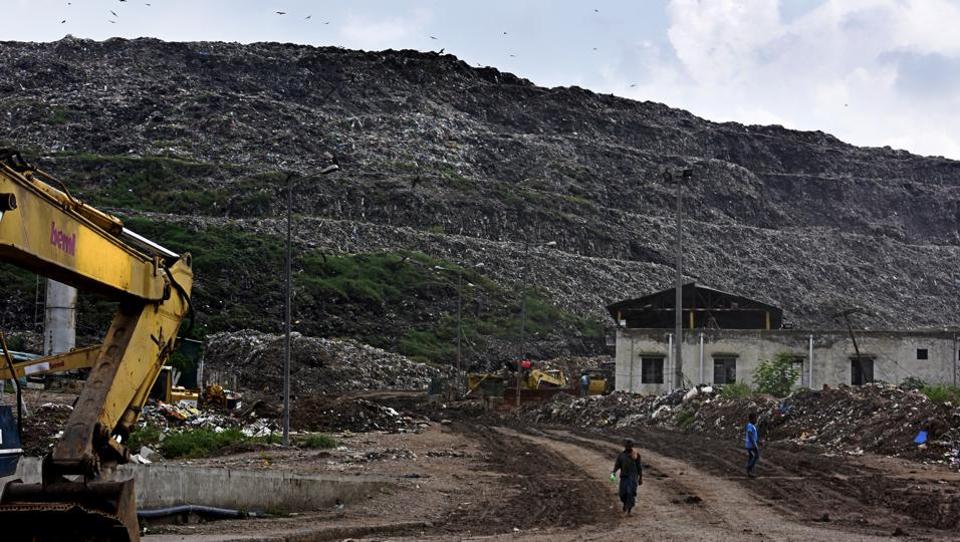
(678, 307)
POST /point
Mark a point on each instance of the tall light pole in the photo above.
(523, 316)
(288, 294)
(678, 306)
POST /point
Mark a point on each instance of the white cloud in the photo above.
(872, 72)
(367, 33)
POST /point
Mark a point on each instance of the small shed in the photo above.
(702, 307)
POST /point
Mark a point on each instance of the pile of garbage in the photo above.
(43, 426)
(875, 418)
(317, 365)
(169, 417)
(333, 415)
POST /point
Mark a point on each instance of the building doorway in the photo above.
(861, 370)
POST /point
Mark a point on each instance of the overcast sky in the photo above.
(872, 72)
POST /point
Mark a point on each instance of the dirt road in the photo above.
(523, 483)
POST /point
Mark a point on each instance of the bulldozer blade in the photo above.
(63, 511)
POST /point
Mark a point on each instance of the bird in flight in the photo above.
(442, 50)
(63, 21)
(307, 18)
(281, 13)
(433, 37)
(112, 21)
(114, 13)
(513, 56)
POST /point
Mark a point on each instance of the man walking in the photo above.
(631, 475)
(752, 444)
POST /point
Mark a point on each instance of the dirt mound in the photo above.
(328, 414)
(42, 427)
(316, 365)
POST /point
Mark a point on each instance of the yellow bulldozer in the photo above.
(44, 229)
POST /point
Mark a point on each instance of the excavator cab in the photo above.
(46, 230)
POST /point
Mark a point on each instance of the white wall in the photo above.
(894, 354)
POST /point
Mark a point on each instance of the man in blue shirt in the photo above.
(752, 444)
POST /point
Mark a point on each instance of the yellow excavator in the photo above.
(47, 231)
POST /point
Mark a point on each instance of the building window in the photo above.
(922, 353)
(651, 370)
(861, 371)
(724, 370)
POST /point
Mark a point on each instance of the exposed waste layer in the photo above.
(875, 418)
(317, 366)
(460, 159)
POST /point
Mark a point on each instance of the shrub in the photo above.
(776, 376)
(942, 393)
(148, 435)
(318, 441)
(205, 442)
(913, 383)
(735, 390)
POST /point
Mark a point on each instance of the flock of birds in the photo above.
(116, 17)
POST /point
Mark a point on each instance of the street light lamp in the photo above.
(523, 315)
(288, 266)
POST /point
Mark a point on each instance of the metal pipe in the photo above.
(669, 361)
(810, 368)
(208, 511)
(701, 358)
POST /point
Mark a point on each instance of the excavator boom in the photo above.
(47, 231)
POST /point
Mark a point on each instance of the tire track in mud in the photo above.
(541, 490)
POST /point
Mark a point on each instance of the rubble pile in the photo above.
(332, 415)
(316, 365)
(167, 417)
(875, 418)
(43, 426)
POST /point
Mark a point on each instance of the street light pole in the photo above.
(287, 272)
(523, 317)
(459, 327)
(288, 294)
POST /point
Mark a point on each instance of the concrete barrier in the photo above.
(162, 485)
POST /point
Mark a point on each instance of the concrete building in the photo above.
(727, 336)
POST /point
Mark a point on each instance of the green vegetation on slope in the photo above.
(169, 185)
(400, 301)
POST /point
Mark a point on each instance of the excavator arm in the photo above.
(45, 230)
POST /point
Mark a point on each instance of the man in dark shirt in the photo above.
(631, 475)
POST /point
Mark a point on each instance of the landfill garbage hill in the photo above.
(876, 418)
(190, 142)
(317, 366)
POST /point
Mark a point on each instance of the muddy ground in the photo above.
(473, 480)
(470, 475)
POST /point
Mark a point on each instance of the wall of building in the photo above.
(894, 354)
